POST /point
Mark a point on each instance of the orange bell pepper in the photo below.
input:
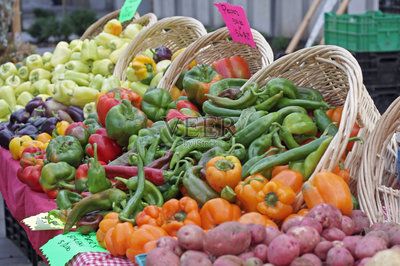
(117, 238)
(108, 222)
(275, 200)
(290, 178)
(177, 213)
(277, 169)
(257, 218)
(217, 211)
(326, 187)
(113, 27)
(149, 215)
(143, 240)
(223, 171)
(247, 190)
(341, 171)
(44, 137)
(335, 114)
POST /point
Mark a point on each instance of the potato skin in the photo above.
(191, 237)
(228, 260)
(338, 256)
(306, 236)
(161, 257)
(194, 257)
(368, 246)
(283, 250)
(328, 215)
(360, 220)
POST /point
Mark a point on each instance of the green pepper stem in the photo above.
(271, 199)
(253, 178)
(224, 165)
(66, 185)
(356, 139)
(180, 216)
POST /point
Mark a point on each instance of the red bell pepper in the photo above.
(173, 113)
(114, 97)
(31, 169)
(186, 104)
(73, 125)
(233, 67)
(107, 149)
(30, 149)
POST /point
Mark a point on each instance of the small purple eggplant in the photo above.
(14, 127)
(36, 121)
(49, 125)
(28, 129)
(34, 103)
(76, 113)
(52, 107)
(62, 115)
(4, 124)
(5, 137)
(38, 112)
(20, 116)
(162, 53)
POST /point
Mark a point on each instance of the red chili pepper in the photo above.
(186, 104)
(173, 113)
(233, 67)
(107, 149)
(155, 176)
(73, 125)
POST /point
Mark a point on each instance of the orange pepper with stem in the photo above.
(177, 213)
(218, 211)
(108, 222)
(247, 190)
(290, 178)
(149, 215)
(257, 218)
(117, 238)
(223, 171)
(277, 169)
(275, 200)
(341, 171)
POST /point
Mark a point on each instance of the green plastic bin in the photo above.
(373, 31)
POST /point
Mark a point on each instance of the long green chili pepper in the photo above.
(285, 111)
(211, 109)
(276, 141)
(261, 144)
(253, 161)
(286, 136)
(269, 103)
(312, 160)
(308, 104)
(295, 154)
(309, 94)
(323, 122)
(151, 152)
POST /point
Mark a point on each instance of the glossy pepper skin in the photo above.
(149, 215)
(89, 223)
(108, 149)
(197, 82)
(30, 170)
(223, 171)
(290, 178)
(144, 67)
(108, 222)
(81, 177)
(257, 218)
(326, 187)
(97, 180)
(124, 120)
(298, 123)
(66, 198)
(65, 149)
(116, 239)
(218, 211)
(56, 176)
(177, 213)
(233, 67)
(247, 190)
(156, 103)
(276, 85)
(275, 200)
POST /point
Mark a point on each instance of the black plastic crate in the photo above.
(380, 68)
(16, 233)
(383, 96)
(390, 6)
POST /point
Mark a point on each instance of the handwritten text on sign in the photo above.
(236, 20)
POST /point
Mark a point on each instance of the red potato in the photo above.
(350, 242)
(327, 215)
(227, 238)
(360, 220)
(195, 257)
(261, 252)
(395, 246)
(253, 262)
(291, 222)
(169, 243)
(246, 255)
(376, 226)
(337, 243)
(257, 233)
(362, 262)
(347, 225)
(339, 257)
(380, 234)
(322, 248)
(332, 234)
(306, 236)
(389, 226)
(270, 233)
(369, 245)
(161, 257)
(311, 222)
(191, 237)
(228, 260)
(313, 258)
(395, 239)
(301, 262)
(283, 250)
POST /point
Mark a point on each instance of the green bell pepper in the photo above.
(124, 120)
(276, 85)
(92, 125)
(197, 82)
(65, 149)
(299, 123)
(7, 94)
(97, 180)
(7, 70)
(56, 176)
(156, 103)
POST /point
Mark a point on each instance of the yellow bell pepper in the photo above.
(175, 92)
(61, 127)
(15, 146)
(32, 143)
(44, 137)
(144, 67)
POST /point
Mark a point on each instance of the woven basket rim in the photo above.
(183, 60)
(152, 32)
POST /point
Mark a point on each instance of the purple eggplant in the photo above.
(5, 137)
(62, 115)
(49, 125)
(19, 116)
(28, 129)
(34, 103)
(52, 107)
(4, 124)
(14, 127)
(162, 53)
(76, 113)
(36, 121)
(38, 112)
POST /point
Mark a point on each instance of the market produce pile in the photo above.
(141, 165)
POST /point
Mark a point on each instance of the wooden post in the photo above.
(296, 38)
(342, 8)
(16, 23)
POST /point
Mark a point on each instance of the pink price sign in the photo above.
(236, 20)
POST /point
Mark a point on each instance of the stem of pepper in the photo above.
(253, 178)
(180, 216)
(271, 199)
(66, 185)
(224, 165)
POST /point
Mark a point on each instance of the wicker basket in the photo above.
(334, 72)
(173, 32)
(378, 191)
(98, 26)
(214, 46)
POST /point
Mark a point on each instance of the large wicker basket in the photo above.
(214, 46)
(334, 72)
(378, 190)
(98, 26)
(173, 32)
